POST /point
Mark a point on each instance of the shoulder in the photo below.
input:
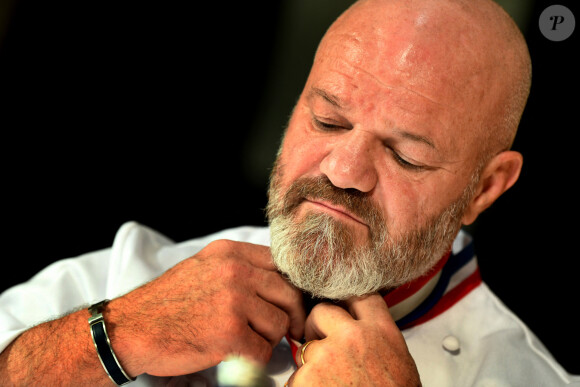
(141, 253)
(249, 234)
(134, 232)
(495, 346)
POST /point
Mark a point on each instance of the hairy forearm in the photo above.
(59, 352)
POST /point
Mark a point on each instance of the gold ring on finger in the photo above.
(304, 350)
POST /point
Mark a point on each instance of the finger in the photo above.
(301, 356)
(324, 320)
(369, 307)
(303, 376)
(277, 291)
(373, 309)
(268, 320)
(252, 346)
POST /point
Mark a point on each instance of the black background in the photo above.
(160, 113)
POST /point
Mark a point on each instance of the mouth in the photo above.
(335, 210)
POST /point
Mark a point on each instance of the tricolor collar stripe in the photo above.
(404, 292)
(444, 296)
(448, 300)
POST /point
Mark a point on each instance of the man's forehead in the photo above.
(425, 84)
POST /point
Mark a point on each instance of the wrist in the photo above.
(123, 340)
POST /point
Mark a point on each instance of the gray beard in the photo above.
(318, 254)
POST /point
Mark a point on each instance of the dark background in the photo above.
(170, 114)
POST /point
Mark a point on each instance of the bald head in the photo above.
(468, 55)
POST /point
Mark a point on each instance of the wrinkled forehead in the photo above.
(428, 47)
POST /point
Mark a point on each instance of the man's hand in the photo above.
(358, 345)
(227, 299)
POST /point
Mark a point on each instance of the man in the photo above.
(401, 135)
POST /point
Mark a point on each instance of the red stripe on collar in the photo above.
(407, 290)
(449, 299)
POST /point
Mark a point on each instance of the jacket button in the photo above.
(451, 344)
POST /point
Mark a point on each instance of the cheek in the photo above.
(402, 205)
(301, 154)
(412, 206)
(406, 205)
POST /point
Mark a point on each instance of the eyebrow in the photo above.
(330, 98)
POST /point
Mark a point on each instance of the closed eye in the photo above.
(405, 164)
(325, 126)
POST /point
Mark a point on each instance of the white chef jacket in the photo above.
(457, 330)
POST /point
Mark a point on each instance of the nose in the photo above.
(350, 164)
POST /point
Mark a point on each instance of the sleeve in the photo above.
(56, 290)
(137, 255)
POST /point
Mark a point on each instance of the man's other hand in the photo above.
(358, 345)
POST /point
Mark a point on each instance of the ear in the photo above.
(500, 173)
